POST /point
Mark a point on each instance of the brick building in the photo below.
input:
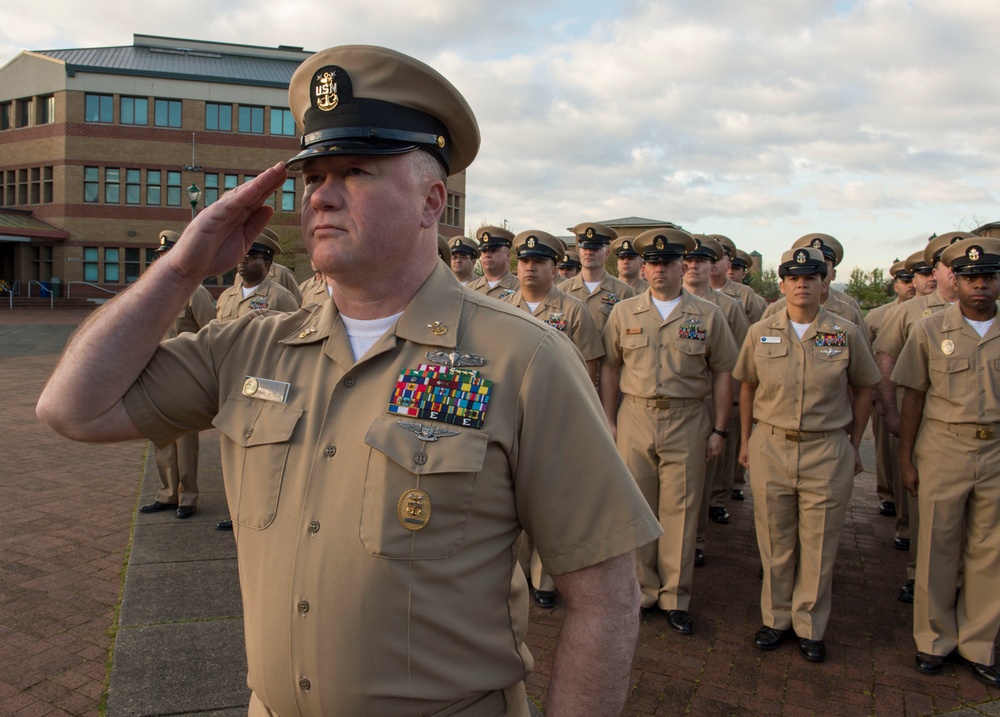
(99, 147)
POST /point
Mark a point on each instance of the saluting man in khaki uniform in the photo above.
(666, 350)
(796, 369)
(950, 460)
(255, 290)
(629, 263)
(594, 286)
(494, 257)
(177, 463)
(382, 451)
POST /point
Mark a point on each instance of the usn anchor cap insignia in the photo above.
(801, 256)
(324, 88)
(414, 509)
(973, 253)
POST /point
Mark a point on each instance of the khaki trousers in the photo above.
(719, 478)
(886, 469)
(664, 448)
(801, 491)
(178, 468)
(959, 498)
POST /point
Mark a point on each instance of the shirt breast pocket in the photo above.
(261, 434)
(427, 485)
(951, 374)
(771, 362)
(830, 365)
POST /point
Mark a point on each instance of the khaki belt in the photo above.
(794, 436)
(663, 402)
(973, 430)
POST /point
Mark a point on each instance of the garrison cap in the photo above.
(570, 259)
(490, 237)
(706, 247)
(535, 243)
(464, 245)
(743, 260)
(593, 236)
(802, 260)
(664, 244)
(977, 255)
(361, 99)
(167, 240)
(830, 247)
(444, 249)
(624, 246)
(936, 246)
(727, 245)
(915, 263)
(899, 271)
(266, 244)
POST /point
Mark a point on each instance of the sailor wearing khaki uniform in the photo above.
(796, 368)
(752, 304)
(255, 290)
(629, 263)
(950, 459)
(666, 350)
(594, 286)
(494, 257)
(279, 273)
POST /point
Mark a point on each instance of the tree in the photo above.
(765, 284)
(871, 289)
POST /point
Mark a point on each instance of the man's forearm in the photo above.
(909, 423)
(609, 391)
(885, 388)
(593, 658)
(722, 398)
(861, 409)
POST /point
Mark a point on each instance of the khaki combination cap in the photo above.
(266, 244)
(538, 244)
(727, 244)
(624, 246)
(803, 260)
(167, 239)
(361, 99)
(899, 271)
(490, 237)
(915, 263)
(664, 244)
(936, 246)
(593, 236)
(570, 259)
(463, 245)
(977, 255)
(831, 248)
(706, 247)
(742, 260)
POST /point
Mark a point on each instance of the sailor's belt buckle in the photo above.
(984, 433)
(661, 403)
(793, 436)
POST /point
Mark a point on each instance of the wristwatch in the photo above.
(724, 432)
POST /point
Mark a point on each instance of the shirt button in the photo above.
(304, 684)
(420, 458)
(330, 451)
(349, 381)
(313, 526)
(303, 606)
(247, 433)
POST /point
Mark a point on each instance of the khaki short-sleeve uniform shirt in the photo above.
(507, 285)
(378, 550)
(752, 304)
(315, 293)
(834, 304)
(736, 318)
(896, 327)
(568, 316)
(671, 358)
(875, 319)
(266, 295)
(802, 384)
(602, 300)
(199, 311)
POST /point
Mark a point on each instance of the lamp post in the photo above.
(194, 194)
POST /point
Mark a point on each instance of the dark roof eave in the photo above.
(71, 71)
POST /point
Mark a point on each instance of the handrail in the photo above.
(52, 295)
(69, 288)
(4, 286)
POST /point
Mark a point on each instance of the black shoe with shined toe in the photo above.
(699, 557)
(929, 664)
(737, 494)
(545, 598)
(888, 509)
(156, 506)
(224, 525)
(901, 543)
(719, 515)
(769, 638)
(812, 650)
(185, 511)
(987, 674)
(680, 621)
(906, 592)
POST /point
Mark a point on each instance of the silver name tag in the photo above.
(265, 389)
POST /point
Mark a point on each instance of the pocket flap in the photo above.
(249, 422)
(462, 452)
(770, 350)
(949, 364)
(634, 341)
(691, 347)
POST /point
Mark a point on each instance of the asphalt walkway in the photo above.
(102, 608)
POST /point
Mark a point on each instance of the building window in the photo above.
(288, 195)
(112, 185)
(5, 110)
(46, 185)
(36, 185)
(111, 264)
(91, 184)
(173, 189)
(99, 108)
(282, 122)
(46, 109)
(133, 186)
(11, 193)
(167, 113)
(153, 187)
(22, 110)
(41, 260)
(453, 211)
(252, 120)
(22, 186)
(132, 266)
(134, 110)
(211, 189)
(90, 263)
(231, 180)
(151, 256)
(219, 117)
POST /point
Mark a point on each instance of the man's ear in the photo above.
(434, 203)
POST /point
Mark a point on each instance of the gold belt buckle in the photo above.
(984, 433)
(793, 436)
(663, 403)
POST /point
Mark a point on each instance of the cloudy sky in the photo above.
(877, 122)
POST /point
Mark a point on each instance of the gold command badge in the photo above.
(250, 386)
(325, 91)
(947, 347)
(414, 509)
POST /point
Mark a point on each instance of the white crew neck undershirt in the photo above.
(666, 307)
(363, 333)
(981, 327)
(248, 291)
(800, 329)
(591, 286)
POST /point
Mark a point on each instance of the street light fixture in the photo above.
(194, 194)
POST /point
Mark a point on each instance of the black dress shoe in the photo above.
(737, 494)
(545, 598)
(888, 509)
(224, 525)
(719, 515)
(156, 506)
(699, 557)
(906, 592)
(987, 674)
(812, 650)
(929, 664)
(901, 543)
(680, 621)
(185, 511)
(760, 574)
(768, 638)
